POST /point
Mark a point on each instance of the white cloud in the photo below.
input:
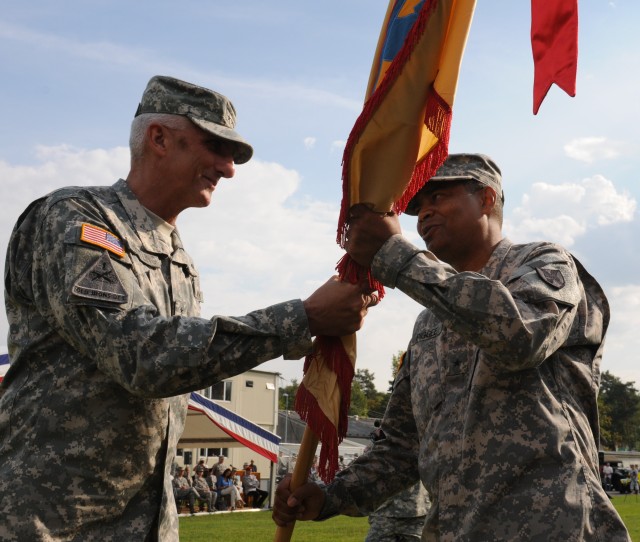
(623, 339)
(590, 149)
(563, 212)
(309, 142)
(338, 145)
(57, 167)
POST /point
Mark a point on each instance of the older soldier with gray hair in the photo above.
(105, 337)
(494, 407)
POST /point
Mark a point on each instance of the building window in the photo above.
(179, 452)
(220, 391)
(249, 383)
(214, 452)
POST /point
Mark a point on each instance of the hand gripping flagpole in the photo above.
(300, 475)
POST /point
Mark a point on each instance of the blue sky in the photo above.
(73, 73)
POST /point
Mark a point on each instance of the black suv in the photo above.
(620, 479)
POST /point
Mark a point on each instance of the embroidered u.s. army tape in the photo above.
(97, 236)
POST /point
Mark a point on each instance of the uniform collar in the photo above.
(142, 223)
(492, 268)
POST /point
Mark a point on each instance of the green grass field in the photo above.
(258, 526)
(629, 509)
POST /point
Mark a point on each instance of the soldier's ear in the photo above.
(488, 199)
(157, 137)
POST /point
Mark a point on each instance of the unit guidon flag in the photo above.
(397, 143)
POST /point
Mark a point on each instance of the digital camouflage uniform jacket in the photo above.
(496, 400)
(105, 341)
(401, 517)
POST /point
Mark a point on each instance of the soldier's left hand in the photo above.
(367, 231)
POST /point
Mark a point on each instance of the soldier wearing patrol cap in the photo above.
(105, 336)
(495, 406)
(205, 108)
(479, 169)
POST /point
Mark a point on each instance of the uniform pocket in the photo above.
(454, 354)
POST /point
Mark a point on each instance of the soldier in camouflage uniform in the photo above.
(495, 403)
(105, 337)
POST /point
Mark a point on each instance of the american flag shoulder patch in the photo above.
(97, 236)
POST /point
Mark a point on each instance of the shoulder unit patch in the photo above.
(101, 282)
(553, 277)
(102, 238)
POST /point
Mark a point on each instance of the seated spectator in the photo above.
(187, 475)
(251, 486)
(210, 478)
(199, 467)
(204, 493)
(237, 480)
(227, 487)
(182, 489)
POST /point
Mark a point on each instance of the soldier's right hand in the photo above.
(303, 504)
(338, 308)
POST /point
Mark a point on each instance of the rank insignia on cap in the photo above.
(553, 277)
(101, 282)
(102, 238)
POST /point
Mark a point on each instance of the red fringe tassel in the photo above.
(335, 359)
(437, 119)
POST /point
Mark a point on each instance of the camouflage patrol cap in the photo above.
(464, 167)
(207, 109)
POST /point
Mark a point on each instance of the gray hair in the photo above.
(140, 124)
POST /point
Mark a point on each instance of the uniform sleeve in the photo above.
(517, 321)
(360, 489)
(145, 352)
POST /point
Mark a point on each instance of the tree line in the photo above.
(618, 402)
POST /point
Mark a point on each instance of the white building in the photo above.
(252, 395)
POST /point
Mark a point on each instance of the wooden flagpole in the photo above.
(306, 453)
